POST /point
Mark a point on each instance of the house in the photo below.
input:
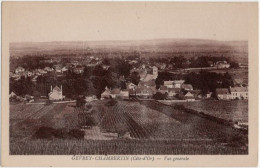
(178, 83)
(105, 67)
(133, 62)
(12, 94)
(41, 71)
(28, 98)
(115, 93)
(106, 94)
(238, 82)
(239, 92)
(91, 98)
(187, 87)
(189, 96)
(29, 73)
(131, 92)
(64, 69)
(223, 94)
(148, 74)
(58, 68)
(130, 85)
(19, 69)
(144, 92)
(148, 84)
(163, 89)
(124, 94)
(222, 64)
(211, 64)
(173, 91)
(48, 69)
(34, 79)
(56, 93)
(78, 70)
(161, 65)
(168, 84)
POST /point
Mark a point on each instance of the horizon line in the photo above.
(150, 39)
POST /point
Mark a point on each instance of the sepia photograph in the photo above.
(129, 78)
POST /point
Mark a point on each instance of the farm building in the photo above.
(130, 85)
(78, 70)
(223, 94)
(131, 92)
(115, 92)
(222, 64)
(106, 94)
(189, 96)
(124, 94)
(19, 69)
(144, 92)
(177, 83)
(12, 94)
(48, 69)
(163, 89)
(239, 92)
(91, 98)
(173, 91)
(58, 68)
(187, 87)
(56, 93)
(64, 69)
(168, 84)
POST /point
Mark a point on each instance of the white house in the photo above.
(168, 84)
(239, 92)
(19, 69)
(177, 83)
(56, 93)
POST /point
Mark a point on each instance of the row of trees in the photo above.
(205, 81)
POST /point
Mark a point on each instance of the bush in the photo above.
(80, 102)
(48, 102)
(78, 134)
(160, 96)
(49, 132)
(111, 102)
(45, 133)
(179, 107)
(88, 107)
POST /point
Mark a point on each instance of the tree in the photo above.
(135, 78)
(234, 65)
(160, 96)
(80, 102)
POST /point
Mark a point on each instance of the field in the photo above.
(154, 128)
(236, 110)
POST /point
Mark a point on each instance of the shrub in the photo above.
(45, 133)
(111, 102)
(80, 102)
(78, 134)
(160, 96)
(88, 107)
(48, 102)
(179, 107)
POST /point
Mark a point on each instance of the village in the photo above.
(143, 86)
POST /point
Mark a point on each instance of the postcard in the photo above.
(129, 84)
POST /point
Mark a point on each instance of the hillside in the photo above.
(236, 48)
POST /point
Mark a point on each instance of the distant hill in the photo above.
(240, 48)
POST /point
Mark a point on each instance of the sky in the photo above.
(95, 21)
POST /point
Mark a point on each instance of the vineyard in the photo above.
(153, 128)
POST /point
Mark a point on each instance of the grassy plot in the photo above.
(154, 129)
(121, 147)
(235, 110)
